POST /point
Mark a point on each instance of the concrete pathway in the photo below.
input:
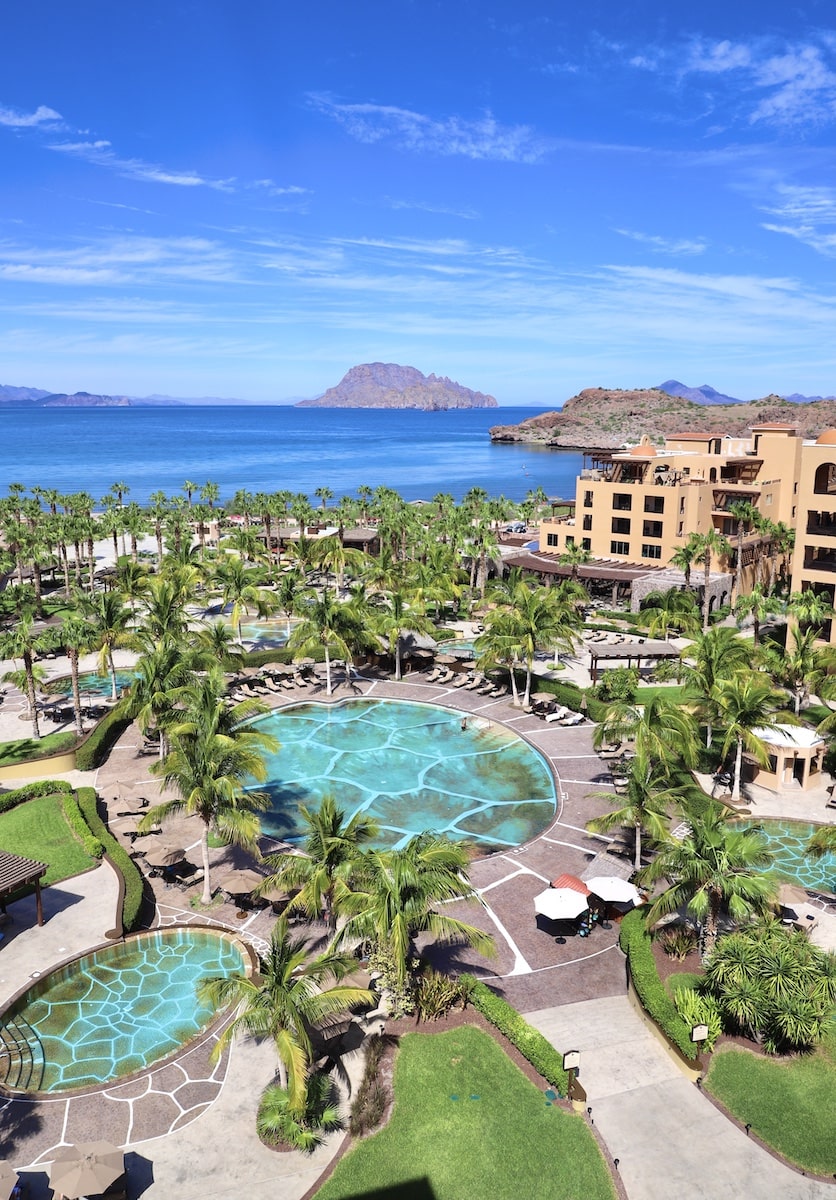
(669, 1139)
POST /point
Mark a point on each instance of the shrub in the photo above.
(278, 1122)
(372, 1097)
(124, 864)
(29, 791)
(79, 826)
(696, 1008)
(618, 684)
(93, 752)
(635, 941)
(678, 941)
(531, 1044)
(436, 994)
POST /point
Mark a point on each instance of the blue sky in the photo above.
(210, 198)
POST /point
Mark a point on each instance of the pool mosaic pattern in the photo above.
(787, 841)
(410, 766)
(92, 684)
(116, 1011)
(267, 633)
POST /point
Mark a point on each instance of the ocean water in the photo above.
(268, 449)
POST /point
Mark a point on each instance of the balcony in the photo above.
(821, 524)
(821, 562)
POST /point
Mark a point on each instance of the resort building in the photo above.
(635, 508)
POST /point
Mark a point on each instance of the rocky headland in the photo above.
(387, 385)
(606, 418)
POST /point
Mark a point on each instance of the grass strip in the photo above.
(788, 1102)
(26, 749)
(39, 829)
(125, 865)
(466, 1124)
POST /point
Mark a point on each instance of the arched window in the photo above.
(825, 480)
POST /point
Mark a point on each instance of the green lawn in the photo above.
(470, 1124)
(25, 749)
(37, 829)
(789, 1104)
(675, 692)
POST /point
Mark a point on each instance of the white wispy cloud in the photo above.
(685, 247)
(807, 214)
(18, 120)
(101, 154)
(118, 261)
(466, 214)
(276, 189)
(484, 138)
(778, 83)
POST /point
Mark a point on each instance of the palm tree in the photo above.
(303, 1129)
(664, 733)
(715, 866)
(324, 624)
(109, 618)
(672, 611)
(575, 556)
(285, 1001)
(810, 607)
(758, 605)
(75, 636)
(644, 808)
(323, 874)
(822, 842)
(23, 642)
(155, 694)
(745, 513)
(713, 656)
(402, 893)
(745, 703)
(239, 586)
(324, 494)
(709, 545)
(685, 556)
(211, 763)
(535, 617)
(803, 667)
(392, 620)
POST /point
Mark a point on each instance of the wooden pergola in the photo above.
(630, 652)
(16, 873)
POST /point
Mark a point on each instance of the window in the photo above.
(621, 525)
(570, 541)
(654, 504)
(651, 551)
(622, 501)
(586, 544)
(552, 539)
(681, 505)
(767, 498)
(587, 499)
(652, 529)
(619, 547)
(680, 529)
(587, 521)
(795, 489)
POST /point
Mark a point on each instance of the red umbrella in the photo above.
(571, 881)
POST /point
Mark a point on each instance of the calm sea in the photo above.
(267, 449)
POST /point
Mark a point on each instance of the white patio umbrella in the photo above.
(560, 904)
(614, 890)
(89, 1167)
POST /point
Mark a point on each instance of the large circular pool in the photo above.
(412, 767)
(116, 1011)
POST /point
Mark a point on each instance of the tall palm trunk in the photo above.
(30, 693)
(72, 654)
(738, 769)
(206, 896)
(706, 599)
(327, 671)
(637, 860)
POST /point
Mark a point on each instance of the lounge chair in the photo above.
(477, 681)
(559, 714)
(484, 688)
(462, 679)
(287, 685)
(498, 692)
(434, 674)
(272, 685)
(444, 677)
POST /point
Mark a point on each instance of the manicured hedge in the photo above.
(29, 791)
(634, 940)
(528, 1040)
(76, 822)
(569, 695)
(127, 868)
(94, 751)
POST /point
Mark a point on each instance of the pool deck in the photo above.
(183, 1116)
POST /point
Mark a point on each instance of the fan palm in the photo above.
(285, 1002)
(664, 733)
(745, 703)
(644, 808)
(712, 656)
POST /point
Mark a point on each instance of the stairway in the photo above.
(21, 1055)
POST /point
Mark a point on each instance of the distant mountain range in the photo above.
(709, 395)
(388, 385)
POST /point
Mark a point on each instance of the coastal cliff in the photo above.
(387, 385)
(606, 418)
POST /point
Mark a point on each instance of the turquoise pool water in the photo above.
(787, 840)
(410, 766)
(264, 633)
(92, 684)
(120, 1009)
(461, 647)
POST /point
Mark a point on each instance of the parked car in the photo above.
(516, 527)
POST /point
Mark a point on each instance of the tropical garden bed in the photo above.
(466, 1122)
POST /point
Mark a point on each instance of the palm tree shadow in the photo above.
(20, 1121)
(412, 1189)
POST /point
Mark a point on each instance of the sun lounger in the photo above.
(484, 689)
(559, 714)
(434, 674)
(498, 692)
(475, 682)
(287, 685)
(461, 680)
(444, 677)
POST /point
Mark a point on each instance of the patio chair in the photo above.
(444, 677)
(287, 685)
(462, 680)
(434, 674)
(484, 688)
(476, 682)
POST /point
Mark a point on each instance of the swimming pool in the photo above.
(91, 683)
(262, 633)
(787, 840)
(116, 1011)
(412, 767)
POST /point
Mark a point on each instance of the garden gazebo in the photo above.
(16, 873)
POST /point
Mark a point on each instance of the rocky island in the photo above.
(387, 385)
(605, 418)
